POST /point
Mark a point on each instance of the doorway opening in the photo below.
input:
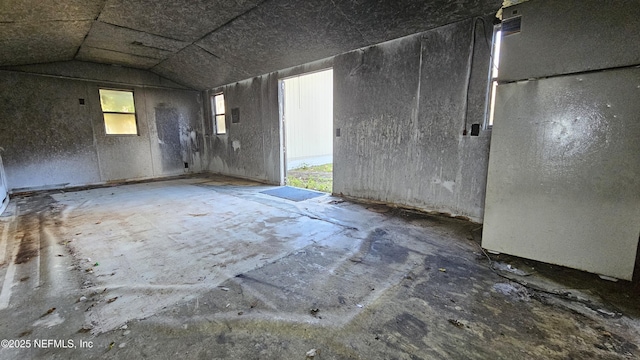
(307, 123)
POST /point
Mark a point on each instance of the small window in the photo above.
(217, 106)
(493, 75)
(119, 112)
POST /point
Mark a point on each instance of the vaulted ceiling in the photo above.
(207, 43)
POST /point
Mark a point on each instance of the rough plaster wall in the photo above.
(271, 129)
(259, 127)
(53, 141)
(250, 148)
(175, 125)
(401, 109)
(45, 132)
(127, 156)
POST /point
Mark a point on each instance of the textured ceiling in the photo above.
(207, 43)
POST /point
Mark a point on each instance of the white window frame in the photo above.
(134, 113)
(493, 77)
(218, 116)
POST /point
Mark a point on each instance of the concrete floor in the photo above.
(210, 268)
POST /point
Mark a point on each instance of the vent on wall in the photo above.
(511, 26)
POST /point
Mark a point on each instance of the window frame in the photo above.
(215, 114)
(135, 112)
(492, 80)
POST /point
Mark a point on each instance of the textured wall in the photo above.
(47, 135)
(52, 141)
(176, 131)
(251, 147)
(400, 107)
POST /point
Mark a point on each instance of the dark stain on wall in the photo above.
(51, 140)
(168, 126)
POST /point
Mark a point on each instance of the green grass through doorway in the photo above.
(312, 177)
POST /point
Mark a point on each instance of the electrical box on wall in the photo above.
(235, 115)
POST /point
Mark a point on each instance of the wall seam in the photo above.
(146, 114)
(93, 131)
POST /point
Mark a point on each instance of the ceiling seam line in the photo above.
(230, 21)
(84, 39)
(104, 5)
(137, 43)
(211, 32)
(221, 59)
(120, 83)
(82, 42)
(122, 52)
(144, 32)
(201, 38)
(44, 21)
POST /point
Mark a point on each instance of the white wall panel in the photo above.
(564, 172)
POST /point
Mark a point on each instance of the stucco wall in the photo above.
(401, 107)
(51, 140)
(250, 148)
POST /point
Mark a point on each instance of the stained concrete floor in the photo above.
(210, 268)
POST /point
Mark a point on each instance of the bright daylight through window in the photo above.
(495, 58)
(119, 112)
(217, 104)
